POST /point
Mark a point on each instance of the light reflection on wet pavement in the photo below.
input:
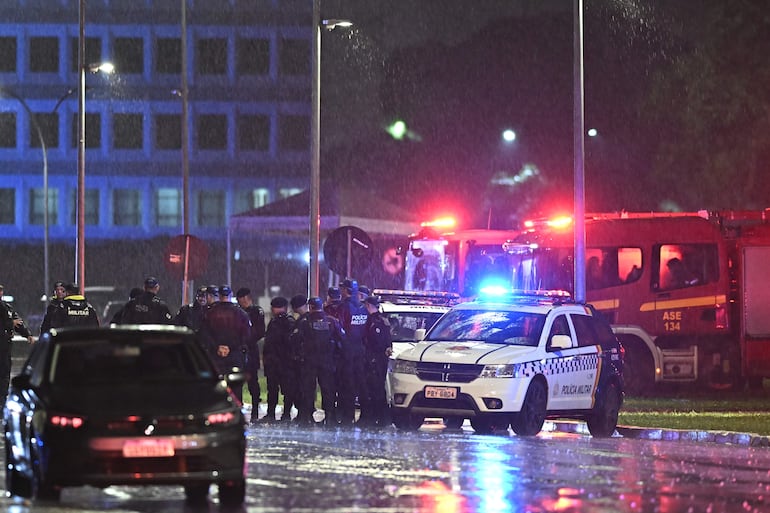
(438, 471)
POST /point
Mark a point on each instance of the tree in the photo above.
(711, 107)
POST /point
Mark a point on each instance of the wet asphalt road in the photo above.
(437, 471)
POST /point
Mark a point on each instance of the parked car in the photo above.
(123, 405)
(512, 361)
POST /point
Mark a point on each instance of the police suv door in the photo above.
(572, 375)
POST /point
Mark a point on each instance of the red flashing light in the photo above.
(560, 222)
(441, 222)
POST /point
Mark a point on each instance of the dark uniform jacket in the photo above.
(319, 337)
(74, 310)
(276, 351)
(377, 338)
(257, 317)
(191, 316)
(226, 324)
(49, 311)
(146, 308)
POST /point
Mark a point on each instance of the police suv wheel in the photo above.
(529, 421)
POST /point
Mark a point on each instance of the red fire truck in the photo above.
(687, 293)
(460, 261)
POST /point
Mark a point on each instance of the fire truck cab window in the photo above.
(686, 265)
(610, 267)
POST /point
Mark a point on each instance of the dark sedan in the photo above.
(123, 405)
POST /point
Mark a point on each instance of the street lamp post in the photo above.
(315, 145)
(80, 247)
(579, 157)
(41, 138)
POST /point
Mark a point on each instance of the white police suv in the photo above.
(512, 361)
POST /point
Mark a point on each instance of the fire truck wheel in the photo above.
(639, 370)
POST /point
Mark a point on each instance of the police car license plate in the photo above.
(148, 448)
(440, 392)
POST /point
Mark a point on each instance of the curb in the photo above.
(673, 435)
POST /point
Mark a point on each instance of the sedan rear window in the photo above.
(495, 327)
(105, 361)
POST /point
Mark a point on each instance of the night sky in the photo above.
(459, 72)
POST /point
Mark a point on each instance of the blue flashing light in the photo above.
(494, 290)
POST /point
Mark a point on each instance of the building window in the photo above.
(246, 200)
(212, 56)
(212, 132)
(252, 56)
(7, 206)
(129, 54)
(127, 131)
(91, 210)
(93, 52)
(7, 129)
(294, 133)
(211, 208)
(93, 130)
(44, 54)
(168, 55)
(127, 207)
(36, 212)
(168, 203)
(7, 54)
(168, 132)
(294, 57)
(288, 191)
(49, 126)
(253, 132)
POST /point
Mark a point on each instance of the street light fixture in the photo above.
(315, 145)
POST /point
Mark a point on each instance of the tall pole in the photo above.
(315, 156)
(185, 160)
(579, 158)
(80, 246)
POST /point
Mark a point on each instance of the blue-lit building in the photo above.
(249, 76)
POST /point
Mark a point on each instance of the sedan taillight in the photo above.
(226, 417)
(67, 421)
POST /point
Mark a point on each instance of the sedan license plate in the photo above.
(148, 448)
(440, 392)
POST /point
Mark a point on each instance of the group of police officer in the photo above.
(340, 346)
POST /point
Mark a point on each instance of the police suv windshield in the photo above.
(494, 327)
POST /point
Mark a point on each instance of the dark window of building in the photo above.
(246, 199)
(93, 52)
(91, 206)
(8, 54)
(212, 56)
(129, 54)
(294, 57)
(49, 127)
(253, 56)
(7, 129)
(212, 132)
(168, 131)
(36, 212)
(7, 206)
(44, 54)
(127, 131)
(126, 205)
(253, 132)
(93, 130)
(168, 55)
(211, 208)
(294, 133)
